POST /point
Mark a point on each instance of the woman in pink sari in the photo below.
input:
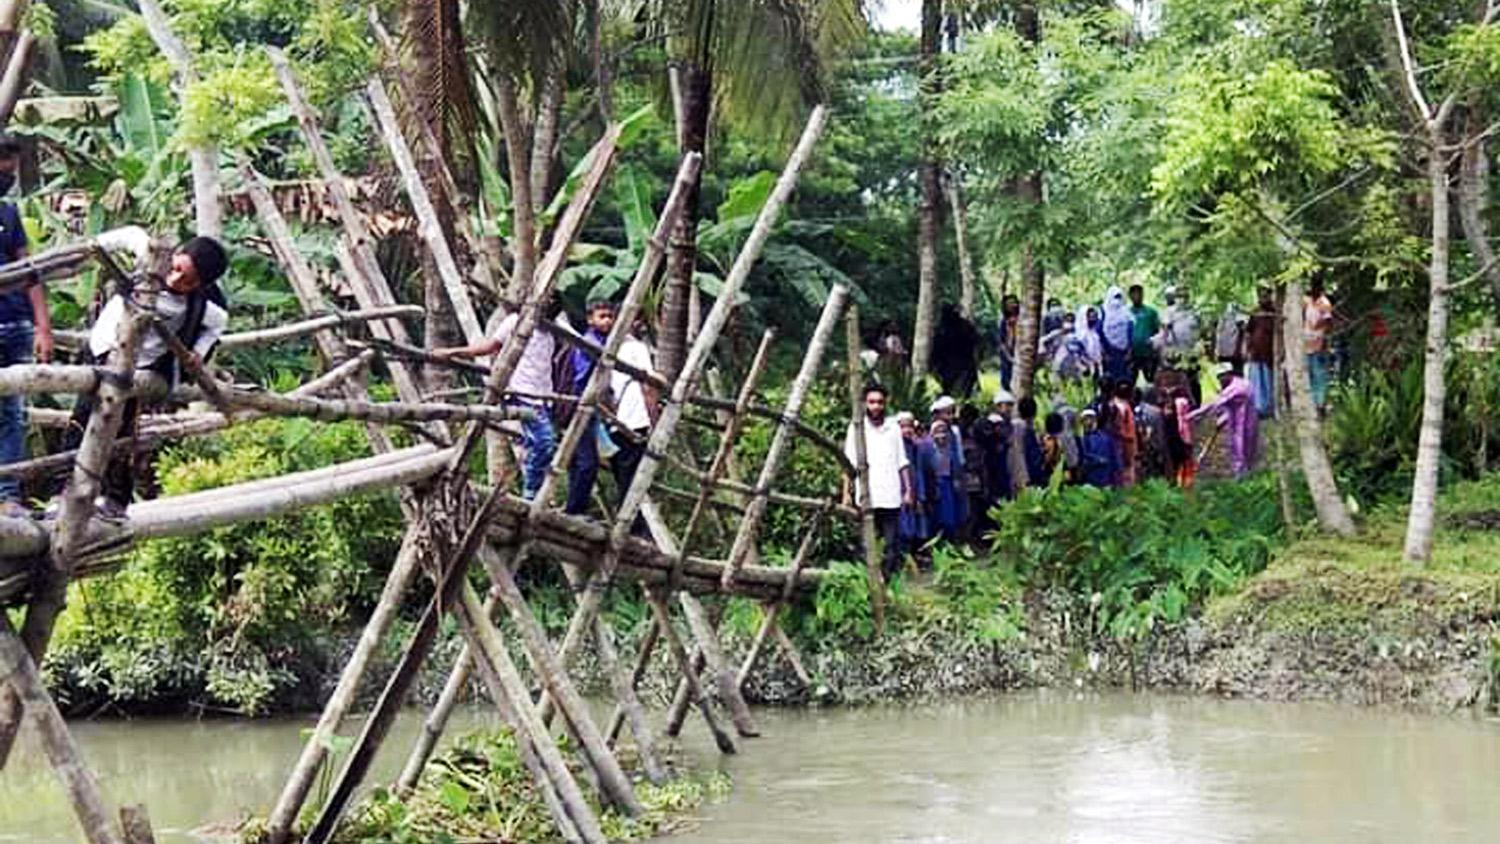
(1235, 406)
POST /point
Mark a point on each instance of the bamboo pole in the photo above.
(685, 665)
(13, 82)
(789, 649)
(862, 475)
(781, 441)
(448, 193)
(671, 412)
(291, 331)
(18, 672)
(637, 673)
(612, 780)
(708, 654)
(304, 282)
(202, 159)
(773, 610)
(720, 463)
(305, 771)
(334, 410)
(449, 578)
(135, 822)
(22, 379)
(489, 648)
(428, 227)
(369, 284)
(529, 751)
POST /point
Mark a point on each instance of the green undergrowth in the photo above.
(479, 790)
(1362, 586)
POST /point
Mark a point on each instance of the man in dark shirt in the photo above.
(1260, 344)
(25, 328)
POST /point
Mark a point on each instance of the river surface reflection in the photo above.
(1044, 767)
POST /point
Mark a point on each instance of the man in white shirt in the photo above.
(889, 474)
(193, 308)
(528, 388)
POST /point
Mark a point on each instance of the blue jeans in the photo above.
(582, 473)
(15, 348)
(1319, 374)
(1263, 382)
(540, 441)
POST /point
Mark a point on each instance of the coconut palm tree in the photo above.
(756, 63)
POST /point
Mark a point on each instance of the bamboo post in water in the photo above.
(862, 471)
(773, 610)
(490, 650)
(450, 574)
(612, 780)
(18, 672)
(685, 665)
(665, 427)
(136, 824)
(305, 771)
(781, 442)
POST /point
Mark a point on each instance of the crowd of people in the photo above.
(939, 472)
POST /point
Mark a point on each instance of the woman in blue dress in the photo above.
(948, 503)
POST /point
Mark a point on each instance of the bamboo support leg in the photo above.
(526, 747)
(487, 645)
(682, 699)
(685, 665)
(613, 783)
(762, 634)
(717, 665)
(315, 751)
(136, 824)
(794, 656)
(862, 470)
(642, 662)
(773, 610)
(18, 671)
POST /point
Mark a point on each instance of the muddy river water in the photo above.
(1044, 767)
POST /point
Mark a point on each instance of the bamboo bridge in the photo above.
(453, 522)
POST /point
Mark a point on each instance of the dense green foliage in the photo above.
(479, 790)
(1141, 556)
(229, 618)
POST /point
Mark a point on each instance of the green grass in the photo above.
(1326, 584)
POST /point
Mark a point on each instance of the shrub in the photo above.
(231, 615)
(1143, 555)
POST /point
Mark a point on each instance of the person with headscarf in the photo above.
(914, 530)
(1235, 408)
(947, 501)
(1115, 335)
(1080, 355)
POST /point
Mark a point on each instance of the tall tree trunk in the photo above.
(1473, 199)
(518, 157)
(544, 134)
(696, 85)
(1419, 525)
(203, 160)
(1029, 191)
(930, 173)
(1029, 323)
(1333, 516)
(968, 284)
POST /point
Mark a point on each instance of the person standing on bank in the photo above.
(888, 474)
(1145, 325)
(193, 308)
(529, 385)
(25, 328)
(1260, 346)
